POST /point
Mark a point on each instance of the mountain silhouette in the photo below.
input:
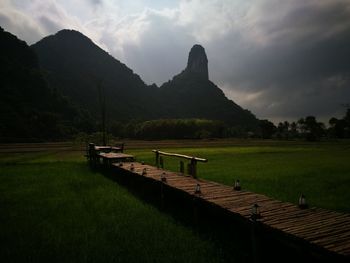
(28, 107)
(81, 70)
(191, 94)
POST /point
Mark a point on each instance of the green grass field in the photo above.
(54, 208)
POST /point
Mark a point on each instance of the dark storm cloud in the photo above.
(302, 69)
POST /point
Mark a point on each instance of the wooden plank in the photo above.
(217, 195)
(334, 234)
(314, 233)
(342, 247)
(287, 211)
(332, 243)
(312, 221)
(318, 231)
(224, 195)
(276, 209)
(250, 199)
(295, 217)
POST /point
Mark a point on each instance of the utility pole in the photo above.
(102, 101)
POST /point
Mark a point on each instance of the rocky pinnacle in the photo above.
(198, 62)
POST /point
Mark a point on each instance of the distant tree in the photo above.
(180, 129)
(347, 116)
(347, 124)
(336, 128)
(311, 129)
(267, 129)
(283, 130)
(117, 128)
(301, 126)
(333, 121)
(293, 129)
(340, 128)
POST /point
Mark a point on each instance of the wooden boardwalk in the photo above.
(322, 228)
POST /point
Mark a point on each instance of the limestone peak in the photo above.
(198, 61)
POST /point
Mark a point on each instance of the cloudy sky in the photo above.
(281, 59)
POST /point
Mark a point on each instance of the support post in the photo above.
(182, 167)
(194, 168)
(254, 240)
(195, 212)
(161, 162)
(92, 154)
(157, 158)
(161, 194)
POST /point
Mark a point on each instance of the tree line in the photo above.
(307, 128)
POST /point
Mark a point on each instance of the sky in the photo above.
(281, 59)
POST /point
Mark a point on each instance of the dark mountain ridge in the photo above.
(77, 67)
(28, 107)
(191, 93)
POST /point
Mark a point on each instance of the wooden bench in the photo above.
(111, 157)
(117, 148)
(93, 152)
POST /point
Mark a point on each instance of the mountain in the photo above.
(28, 107)
(191, 94)
(81, 70)
(88, 75)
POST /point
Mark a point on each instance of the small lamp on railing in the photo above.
(132, 167)
(255, 214)
(198, 189)
(162, 177)
(144, 171)
(237, 185)
(302, 202)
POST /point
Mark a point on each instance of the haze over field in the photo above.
(280, 59)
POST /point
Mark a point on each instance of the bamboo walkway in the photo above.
(322, 228)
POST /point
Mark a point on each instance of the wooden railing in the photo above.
(191, 167)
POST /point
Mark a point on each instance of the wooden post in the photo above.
(157, 158)
(161, 162)
(92, 153)
(161, 194)
(254, 240)
(189, 168)
(102, 100)
(194, 167)
(182, 167)
(195, 212)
